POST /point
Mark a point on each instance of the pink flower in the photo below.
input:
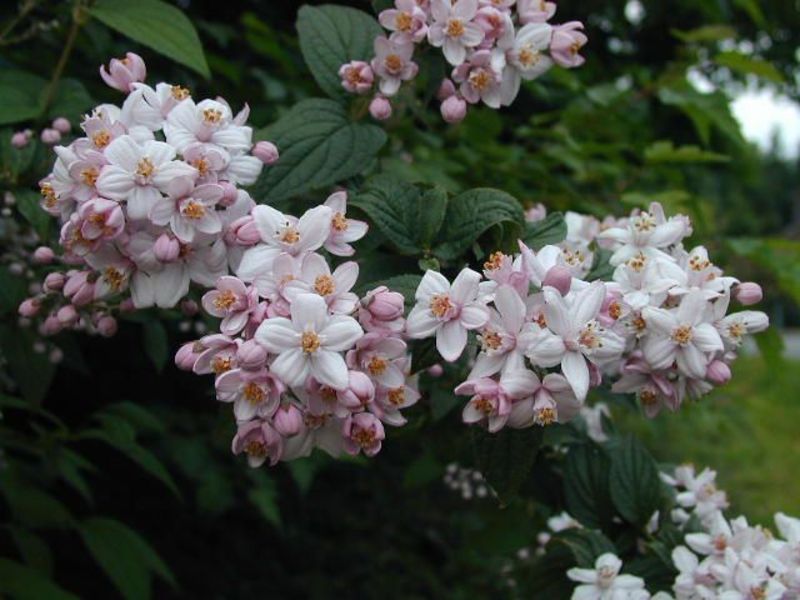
(189, 210)
(357, 77)
(380, 357)
(216, 354)
(390, 401)
(380, 108)
(288, 420)
(498, 338)
(567, 41)
(447, 311)
(101, 219)
(407, 20)
(266, 152)
(453, 28)
(79, 288)
(50, 136)
(122, 73)
(62, 125)
(535, 11)
(208, 122)
(479, 80)
(522, 57)
(343, 230)
(491, 400)
(551, 401)
(316, 278)
(363, 433)
(382, 310)
(232, 301)
(748, 293)
(253, 394)
(393, 64)
(30, 307)
(259, 441)
(453, 109)
(20, 139)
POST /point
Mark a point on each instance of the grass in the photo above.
(749, 431)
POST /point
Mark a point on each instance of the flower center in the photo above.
(484, 405)
(393, 63)
(178, 92)
(682, 335)
(377, 365)
(212, 116)
(736, 331)
(145, 168)
(495, 261)
(638, 262)
(193, 210)
(253, 393)
(615, 310)
(324, 285)
(455, 28)
(364, 437)
(696, 263)
(114, 277)
(221, 364)
(644, 222)
(573, 257)
(255, 448)
(289, 235)
(225, 300)
(201, 164)
(606, 576)
(338, 222)
(89, 176)
(441, 305)
(648, 397)
(49, 195)
(101, 139)
(314, 421)
(589, 338)
(481, 79)
(528, 57)
(545, 416)
(310, 342)
(639, 324)
(397, 396)
(403, 21)
(490, 340)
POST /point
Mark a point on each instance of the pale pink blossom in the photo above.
(343, 231)
(316, 277)
(453, 28)
(189, 210)
(567, 41)
(122, 73)
(535, 11)
(357, 77)
(491, 400)
(254, 394)
(479, 79)
(363, 433)
(259, 441)
(407, 19)
(232, 301)
(393, 64)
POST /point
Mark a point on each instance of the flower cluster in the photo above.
(305, 362)
(491, 46)
(148, 199)
(659, 327)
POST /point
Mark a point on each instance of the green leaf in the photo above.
(32, 371)
(33, 549)
(331, 36)
(586, 486)
(20, 93)
(157, 25)
(423, 354)
(432, 206)
(665, 152)
(705, 111)
(12, 291)
(137, 415)
(71, 100)
(404, 284)
(319, 146)
(470, 214)
(748, 65)
(393, 206)
(550, 230)
(24, 583)
(156, 345)
(70, 466)
(264, 496)
(29, 207)
(128, 560)
(33, 507)
(506, 458)
(706, 33)
(635, 484)
(422, 471)
(586, 545)
(602, 267)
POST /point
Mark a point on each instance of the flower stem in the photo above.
(78, 19)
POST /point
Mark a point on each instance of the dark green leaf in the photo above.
(432, 206)
(24, 583)
(28, 205)
(20, 93)
(157, 25)
(506, 458)
(404, 284)
(71, 100)
(635, 484)
(32, 371)
(393, 206)
(423, 354)
(550, 230)
(586, 486)
(33, 549)
(12, 291)
(33, 507)
(319, 146)
(331, 36)
(156, 344)
(585, 544)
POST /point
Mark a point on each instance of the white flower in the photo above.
(316, 278)
(646, 232)
(209, 122)
(453, 29)
(681, 336)
(310, 344)
(448, 312)
(138, 173)
(189, 209)
(604, 582)
(343, 230)
(521, 57)
(498, 338)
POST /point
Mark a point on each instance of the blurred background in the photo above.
(691, 103)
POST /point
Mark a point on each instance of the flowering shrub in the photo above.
(490, 45)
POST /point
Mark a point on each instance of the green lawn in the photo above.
(749, 431)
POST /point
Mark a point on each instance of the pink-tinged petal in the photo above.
(691, 361)
(330, 369)
(486, 365)
(142, 290)
(277, 335)
(659, 352)
(691, 308)
(659, 321)
(228, 383)
(210, 224)
(314, 227)
(440, 9)
(707, 338)
(432, 284)
(292, 367)
(471, 414)
(465, 9)
(588, 303)
(576, 371)
(473, 316)
(421, 323)
(389, 85)
(542, 347)
(182, 228)
(124, 152)
(256, 261)
(309, 310)
(454, 51)
(346, 276)
(268, 221)
(557, 313)
(114, 182)
(172, 170)
(160, 153)
(473, 35)
(234, 323)
(355, 231)
(451, 339)
(511, 307)
(314, 265)
(171, 284)
(337, 201)
(519, 384)
(208, 304)
(497, 422)
(667, 233)
(340, 333)
(392, 376)
(582, 575)
(521, 415)
(465, 286)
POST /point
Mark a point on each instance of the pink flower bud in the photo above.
(454, 109)
(20, 139)
(62, 125)
(748, 293)
(380, 108)
(718, 372)
(363, 432)
(189, 308)
(536, 213)
(30, 307)
(187, 355)
(362, 387)
(446, 89)
(50, 136)
(43, 255)
(244, 232)
(357, 77)
(436, 370)
(166, 248)
(251, 356)
(127, 305)
(386, 305)
(78, 289)
(288, 420)
(266, 152)
(122, 73)
(565, 44)
(107, 326)
(56, 356)
(560, 278)
(67, 315)
(54, 282)
(51, 326)
(229, 193)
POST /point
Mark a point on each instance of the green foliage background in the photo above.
(116, 463)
